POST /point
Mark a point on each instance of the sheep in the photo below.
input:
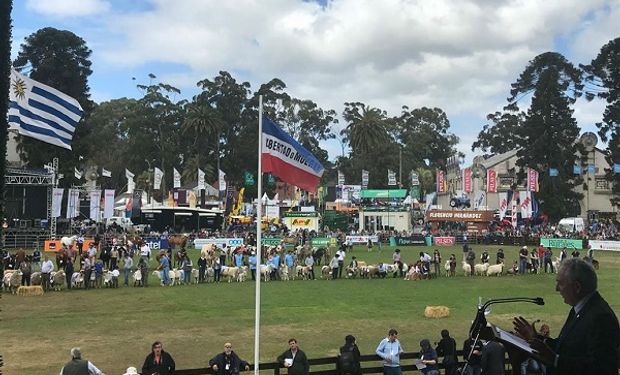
(243, 274)
(302, 271)
(107, 279)
(137, 278)
(326, 272)
(556, 264)
(57, 280)
(265, 271)
(495, 269)
(480, 268)
(284, 273)
(466, 269)
(195, 275)
(12, 280)
(230, 272)
(413, 274)
(36, 278)
(77, 280)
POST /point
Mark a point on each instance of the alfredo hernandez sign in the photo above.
(460, 215)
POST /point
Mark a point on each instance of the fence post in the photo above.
(276, 370)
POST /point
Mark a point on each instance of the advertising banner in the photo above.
(95, 204)
(108, 203)
(323, 241)
(362, 239)
(73, 203)
(491, 181)
(341, 178)
(157, 243)
(415, 240)
(441, 181)
(467, 180)
(532, 180)
(365, 176)
(460, 215)
(57, 201)
(562, 242)
(220, 242)
(605, 245)
(444, 241)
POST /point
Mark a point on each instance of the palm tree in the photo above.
(204, 124)
(367, 127)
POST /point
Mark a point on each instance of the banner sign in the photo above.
(323, 241)
(532, 180)
(156, 243)
(108, 203)
(157, 178)
(365, 176)
(467, 180)
(441, 181)
(300, 214)
(415, 178)
(221, 180)
(57, 201)
(201, 179)
(220, 242)
(273, 241)
(604, 245)
(561, 242)
(415, 240)
(340, 178)
(176, 178)
(73, 203)
(460, 215)
(362, 239)
(95, 204)
(444, 241)
(391, 177)
(491, 181)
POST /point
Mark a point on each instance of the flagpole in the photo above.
(259, 222)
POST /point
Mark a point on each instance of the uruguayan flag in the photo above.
(41, 112)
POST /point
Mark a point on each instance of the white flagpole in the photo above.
(259, 222)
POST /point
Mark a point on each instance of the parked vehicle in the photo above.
(123, 222)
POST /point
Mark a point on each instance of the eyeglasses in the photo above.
(228, 346)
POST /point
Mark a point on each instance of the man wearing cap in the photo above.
(79, 366)
(523, 254)
(228, 362)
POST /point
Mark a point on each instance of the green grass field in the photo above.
(115, 327)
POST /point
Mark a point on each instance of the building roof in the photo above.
(496, 159)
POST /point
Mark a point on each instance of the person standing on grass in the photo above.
(447, 349)
(390, 350)
(334, 265)
(158, 362)
(294, 359)
(228, 362)
(69, 273)
(187, 267)
(437, 262)
(127, 266)
(202, 268)
(79, 366)
(341, 255)
(46, 271)
(26, 267)
(349, 358)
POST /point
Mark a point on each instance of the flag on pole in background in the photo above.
(201, 179)
(365, 176)
(391, 177)
(106, 173)
(176, 179)
(341, 180)
(553, 172)
(77, 173)
(491, 181)
(57, 201)
(159, 175)
(130, 183)
(285, 158)
(95, 204)
(467, 180)
(221, 180)
(42, 112)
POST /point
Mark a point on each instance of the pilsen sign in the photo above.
(460, 215)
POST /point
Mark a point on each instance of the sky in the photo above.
(458, 55)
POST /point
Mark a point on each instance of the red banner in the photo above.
(467, 180)
(491, 181)
(444, 241)
(441, 181)
(532, 180)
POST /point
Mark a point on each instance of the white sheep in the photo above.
(284, 273)
(447, 268)
(265, 270)
(481, 268)
(137, 278)
(195, 275)
(57, 280)
(466, 268)
(495, 269)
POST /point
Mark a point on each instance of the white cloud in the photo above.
(68, 8)
(459, 55)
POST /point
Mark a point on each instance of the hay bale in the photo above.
(436, 312)
(34, 290)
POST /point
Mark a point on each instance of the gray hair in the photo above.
(578, 270)
(76, 353)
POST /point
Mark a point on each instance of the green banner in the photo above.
(323, 241)
(248, 177)
(274, 241)
(562, 242)
(378, 194)
(301, 214)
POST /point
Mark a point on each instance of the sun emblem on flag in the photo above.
(19, 88)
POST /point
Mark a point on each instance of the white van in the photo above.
(122, 222)
(571, 224)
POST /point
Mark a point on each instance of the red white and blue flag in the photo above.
(285, 158)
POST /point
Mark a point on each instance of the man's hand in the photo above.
(524, 329)
(388, 360)
(214, 367)
(247, 367)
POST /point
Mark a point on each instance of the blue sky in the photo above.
(460, 56)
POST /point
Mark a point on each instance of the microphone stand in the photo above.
(480, 321)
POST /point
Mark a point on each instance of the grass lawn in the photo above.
(115, 327)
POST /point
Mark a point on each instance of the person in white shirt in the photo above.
(46, 270)
(77, 365)
(341, 255)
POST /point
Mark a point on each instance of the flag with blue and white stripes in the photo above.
(42, 112)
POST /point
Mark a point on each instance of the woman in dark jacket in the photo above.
(158, 361)
(447, 349)
(349, 359)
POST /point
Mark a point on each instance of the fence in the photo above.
(328, 365)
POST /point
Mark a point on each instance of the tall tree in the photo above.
(604, 74)
(502, 134)
(424, 134)
(5, 71)
(547, 137)
(366, 128)
(60, 59)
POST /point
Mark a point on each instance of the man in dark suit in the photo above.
(294, 359)
(589, 342)
(493, 358)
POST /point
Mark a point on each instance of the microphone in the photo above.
(480, 321)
